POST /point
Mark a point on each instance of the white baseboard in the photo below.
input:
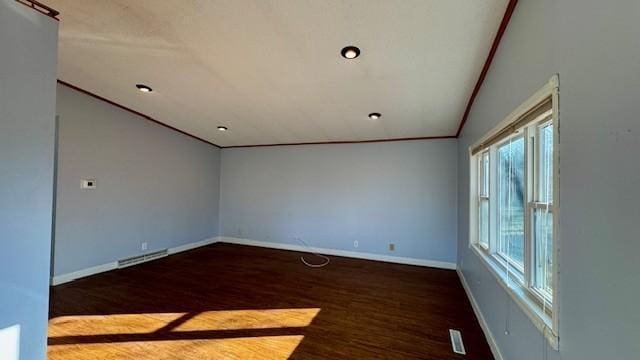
(185, 247)
(344, 253)
(483, 323)
(65, 278)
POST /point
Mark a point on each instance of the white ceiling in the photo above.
(271, 70)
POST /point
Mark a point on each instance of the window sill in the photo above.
(519, 295)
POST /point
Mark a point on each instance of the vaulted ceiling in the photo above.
(271, 70)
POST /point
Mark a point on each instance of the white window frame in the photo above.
(481, 196)
(534, 203)
(520, 285)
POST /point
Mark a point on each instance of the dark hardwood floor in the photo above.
(228, 301)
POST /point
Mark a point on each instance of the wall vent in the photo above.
(456, 342)
(142, 258)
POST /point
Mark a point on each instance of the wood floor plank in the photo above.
(228, 301)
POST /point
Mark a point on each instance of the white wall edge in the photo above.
(343, 253)
(68, 277)
(483, 323)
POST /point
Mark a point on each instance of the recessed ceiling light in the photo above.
(350, 52)
(144, 88)
(222, 128)
(375, 116)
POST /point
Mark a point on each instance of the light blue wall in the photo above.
(331, 195)
(595, 47)
(28, 57)
(153, 185)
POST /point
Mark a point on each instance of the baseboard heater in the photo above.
(142, 258)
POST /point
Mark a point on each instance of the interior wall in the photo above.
(332, 195)
(154, 185)
(595, 48)
(28, 58)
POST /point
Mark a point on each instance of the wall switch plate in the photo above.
(88, 184)
(392, 247)
(144, 245)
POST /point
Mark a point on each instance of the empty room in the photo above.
(319, 179)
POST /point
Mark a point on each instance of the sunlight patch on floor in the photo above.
(249, 319)
(109, 324)
(224, 334)
(82, 325)
(267, 347)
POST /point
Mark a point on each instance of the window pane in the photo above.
(545, 175)
(484, 222)
(483, 230)
(511, 188)
(543, 234)
(485, 174)
(543, 219)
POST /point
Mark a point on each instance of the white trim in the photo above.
(343, 253)
(185, 247)
(65, 278)
(493, 345)
(555, 102)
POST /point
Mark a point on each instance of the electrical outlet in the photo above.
(392, 247)
(89, 184)
(355, 243)
(144, 245)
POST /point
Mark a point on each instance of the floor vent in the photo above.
(142, 258)
(456, 342)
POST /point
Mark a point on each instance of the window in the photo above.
(510, 206)
(542, 209)
(514, 206)
(483, 200)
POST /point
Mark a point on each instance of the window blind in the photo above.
(539, 112)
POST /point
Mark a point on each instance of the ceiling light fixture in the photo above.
(144, 88)
(375, 116)
(350, 52)
(222, 128)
